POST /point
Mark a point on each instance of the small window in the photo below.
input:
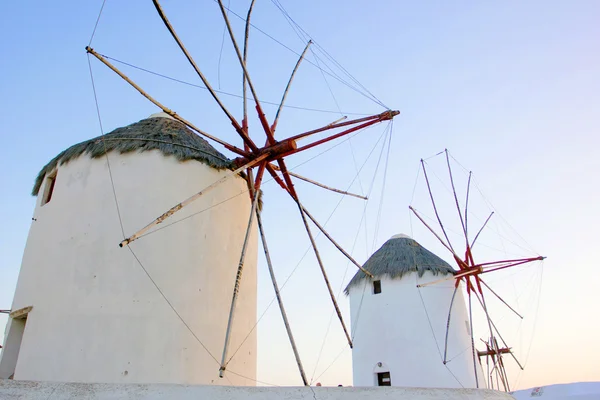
(49, 187)
(384, 379)
(376, 287)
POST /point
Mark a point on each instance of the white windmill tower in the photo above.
(86, 310)
(402, 334)
(216, 250)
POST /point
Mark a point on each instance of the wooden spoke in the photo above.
(467, 208)
(487, 316)
(287, 178)
(165, 109)
(384, 116)
(480, 230)
(244, 86)
(434, 206)
(261, 114)
(500, 336)
(436, 235)
(234, 122)
(287, 87)
(236, 286)
(462, 222)
(259, 175)
(189, 200)
(322, 185)
(500, 298)
(279, 300)
(473, 341)
(448, 324)
(276, 177)
(320, 262)
(340, 248)
(492, 266)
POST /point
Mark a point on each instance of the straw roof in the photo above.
(159, 132)
(398, 256)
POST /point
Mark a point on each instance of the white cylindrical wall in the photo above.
(402, 331)
(97, 316)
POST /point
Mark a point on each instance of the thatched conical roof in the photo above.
(158, 132)
(398, 256)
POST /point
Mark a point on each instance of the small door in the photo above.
(384, 379)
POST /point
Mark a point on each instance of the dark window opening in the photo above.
(49, 188)
(376, 287)
(384, 379)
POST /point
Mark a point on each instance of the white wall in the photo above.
(404, 328)
(96, 315)
(68, 391)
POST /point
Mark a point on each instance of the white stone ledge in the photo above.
(30, 390)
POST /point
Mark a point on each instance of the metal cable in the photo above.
(223, 92)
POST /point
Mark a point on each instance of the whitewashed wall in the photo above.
(69, 391)
(96, 315)
(404, 329)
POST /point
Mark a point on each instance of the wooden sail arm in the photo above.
(325, 278)
(261, 114)
(234, 122)
(189, 200)
(340, 248)
(322, 185)
(287, 87)
(480, 230)
(457, 258)
(244, 86)
(280, 300)
(384, 116)
(236, 287)
(165, 109)
(498, 333)
(437, 215)
(498, 265)
(333, 137)
(500, 298)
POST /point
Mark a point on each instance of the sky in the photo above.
(510, 88)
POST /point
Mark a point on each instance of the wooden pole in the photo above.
(322, 185)
(462, 222)
(473, 341)
(500, 336)
(434, 233)
(340, 248)
(500, 298)
(236, 287)
(287, 87)
(162, 107)
(483, 226)
(234, 122)
(246, 37)
(487, 315)
(318, 256)
(434, 206)
(190, 199)
(279, 300)
(467, 207)
(448, 324)
(261, 114)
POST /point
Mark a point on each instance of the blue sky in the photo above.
(512, 89)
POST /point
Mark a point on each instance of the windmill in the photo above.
(255, 159)
(471, 272)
